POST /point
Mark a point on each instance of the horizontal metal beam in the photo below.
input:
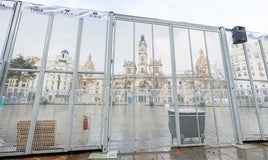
(157, 21)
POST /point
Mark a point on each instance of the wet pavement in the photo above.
(249, 151)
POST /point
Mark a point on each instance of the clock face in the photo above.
(142, 49)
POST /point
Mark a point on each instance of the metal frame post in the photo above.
(194, 83)
(9, 44)
(134, 95)
(73, 89)
(231, 86)
(107, 100)
(39, 87)
(174, 81)
(105, 62)
(259, 118)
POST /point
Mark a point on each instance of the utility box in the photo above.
(239, 35)
(188, 123)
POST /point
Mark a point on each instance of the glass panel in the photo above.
(249, 123)
(31, 37)
(264, 94)
(56, 88)
(16, 107)
(54, 103)
(237, 59)
(262, 100)
(162, 93)
(220, 100)
(255, 59)
(5, 16)
(202, 85)
(93, 45)
(122, 113)
(61, 53)
(144, 85)
(183, 67)
(244, 92)
(88, 111)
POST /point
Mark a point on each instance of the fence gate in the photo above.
(158, 65)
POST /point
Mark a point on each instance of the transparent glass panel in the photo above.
(219, 98)
(16, 107)
(56, 88)
(256, 61)
(5, 16)
(122, 112)
(31, 37)
(160, 66)
(262, 98)
(202, 86)
(53, 107)
(144, 122)
(184, 72)
(265, 48)
(237, 59)
(123, 48)
(89, 89)
(87, 123)
(61, 53)
(93, 45)
(245, 101)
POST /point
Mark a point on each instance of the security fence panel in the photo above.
(198, 82)
(89, 101)
(21, 81)
(74, 79)
(163, 96)
(250, 76)
(264, 90)
(122, 126)
(219, 100)
(6, 10)
(144, 120)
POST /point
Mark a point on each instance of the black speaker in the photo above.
(239, 35)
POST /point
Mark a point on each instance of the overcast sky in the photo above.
(227, 13)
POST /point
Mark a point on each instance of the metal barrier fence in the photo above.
(74, 79)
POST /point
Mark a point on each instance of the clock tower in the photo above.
(142, 62)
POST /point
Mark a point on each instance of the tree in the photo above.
(21, 63)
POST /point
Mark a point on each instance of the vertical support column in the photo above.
(259, 118)
(174, 82)
(39, 86)
(73, 89)
(134, 94)
(9, 44)
(105, 63)
(112, 73)
(230, 83)
(107, 100)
